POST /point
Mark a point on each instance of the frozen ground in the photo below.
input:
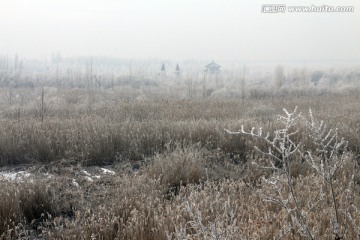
(28, 174)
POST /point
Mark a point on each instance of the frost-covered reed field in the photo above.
(89, 150)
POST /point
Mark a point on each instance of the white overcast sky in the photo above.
(178, 29)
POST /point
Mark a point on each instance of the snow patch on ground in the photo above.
(86, 173)
(89, 179)
(14, 176)
(107, 171)
(75, 183)
(89, 175)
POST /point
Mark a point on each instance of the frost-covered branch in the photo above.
(281, 149)
(327, 158)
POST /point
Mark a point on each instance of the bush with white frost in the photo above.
(328, 186)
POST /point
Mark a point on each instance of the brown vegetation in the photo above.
(191, 179)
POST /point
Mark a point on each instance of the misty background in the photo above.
(178, 30)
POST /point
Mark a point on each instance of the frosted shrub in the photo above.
(326, 159)
(329, 184)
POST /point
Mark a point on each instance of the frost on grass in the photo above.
(107, 171)
(14, 176)
(326, 159)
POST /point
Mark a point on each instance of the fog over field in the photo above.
(179, 119)
(178, 30)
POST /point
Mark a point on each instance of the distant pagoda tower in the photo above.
(212, 72)
(177, 70)
(212, 68)
(162, 72)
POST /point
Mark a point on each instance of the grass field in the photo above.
(179, 120)
(177, 173)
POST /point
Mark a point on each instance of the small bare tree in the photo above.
(279, 78)
(280, 154)
(326, 159)
(42, 105)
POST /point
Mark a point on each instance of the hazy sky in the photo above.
(178, 29)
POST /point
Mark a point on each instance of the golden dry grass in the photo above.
(109, 129)
(137, 206)
(194, 182)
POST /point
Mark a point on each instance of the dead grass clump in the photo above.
(35, 201)
(235, 147)
(9, 207)
(222, 210)
(179, 167)
(24, 204)
(122, 207)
